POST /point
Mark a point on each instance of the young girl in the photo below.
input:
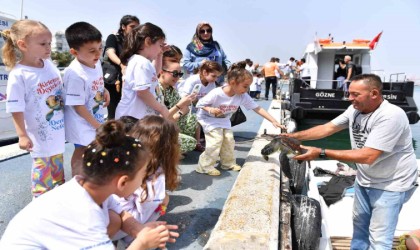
(206, 78)
(214, 112)
(142, 45)
(77, 211)
(34, 97)
(149, 201)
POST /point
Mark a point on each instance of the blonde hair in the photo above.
(20, 30)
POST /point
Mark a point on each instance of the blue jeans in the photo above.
(375, 217)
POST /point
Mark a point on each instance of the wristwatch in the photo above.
(322, 155)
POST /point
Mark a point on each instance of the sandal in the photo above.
(234, 167)
(199, 147)
(212, 172)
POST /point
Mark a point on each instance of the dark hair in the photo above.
(80, 33)
(371, 80)
(292, 59)
(210, 67)
(303, 60)
(113, 153)
(273, 59)
(161, 137)
(134, 40)
(126, 20)
(237, 73)
(174, 54)
(128, 122)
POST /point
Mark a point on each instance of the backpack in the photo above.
(357, 69)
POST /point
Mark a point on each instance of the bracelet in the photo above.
(210, 109)
(180, 113)
(177, 107)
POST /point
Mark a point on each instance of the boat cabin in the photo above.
(323, 99)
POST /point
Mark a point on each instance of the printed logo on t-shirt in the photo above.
(228, 108)
(55, 103)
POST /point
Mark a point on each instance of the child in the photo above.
(149, 201)
(34, 97)
(260, 82)
(84, 89)
(253, 87)
(207, 75)
(214, 112)
(77, 212)
(142, 45)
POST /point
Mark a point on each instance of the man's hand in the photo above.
(311, 154)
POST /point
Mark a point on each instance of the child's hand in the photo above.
(216, 112)
(278, 125)
(186, 101)
(107, 98)
(156, 234)
(25, 143)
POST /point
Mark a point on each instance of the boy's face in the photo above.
(89, 53)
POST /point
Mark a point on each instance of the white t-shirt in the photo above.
(386, 129)
(37, 92)
(140, 75)
(227, 104)
(253, 86)
(83, 86)
(305, 71)
(64, 218)
(189, 84)
(260, 82)
(156, 193)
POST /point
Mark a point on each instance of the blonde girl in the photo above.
(142, 45)
(34, 97)
(214, 114)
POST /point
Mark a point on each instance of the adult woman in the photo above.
(203, 47)
(187, 122)
(113, 68)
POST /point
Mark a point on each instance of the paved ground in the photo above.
(195, 206)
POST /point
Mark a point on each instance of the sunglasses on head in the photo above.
(174, 73)
(206, 31)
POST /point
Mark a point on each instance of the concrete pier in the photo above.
(250, 216)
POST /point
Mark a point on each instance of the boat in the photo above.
(322, 101)
(7, 129)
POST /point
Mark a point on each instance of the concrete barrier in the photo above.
(250, 216)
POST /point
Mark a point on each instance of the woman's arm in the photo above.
(190, 61)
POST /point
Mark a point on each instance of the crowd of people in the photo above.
(124, 163)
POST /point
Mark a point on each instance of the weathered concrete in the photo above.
(250, 216)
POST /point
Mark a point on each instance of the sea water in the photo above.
(341, 140)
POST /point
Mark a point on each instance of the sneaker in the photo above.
(199, 147)
(234, 167)
(212, 172)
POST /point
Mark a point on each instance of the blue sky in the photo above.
(254, 29)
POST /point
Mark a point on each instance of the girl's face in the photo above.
(205, 32)
(38, 45)
(211, 76)
(127, 28)
(242, 87)
(171, 73)
(136, 182)
(154, 49)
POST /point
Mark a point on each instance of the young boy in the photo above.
(85, 95)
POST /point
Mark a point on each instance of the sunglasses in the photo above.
(174, 73)
(206, 31)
